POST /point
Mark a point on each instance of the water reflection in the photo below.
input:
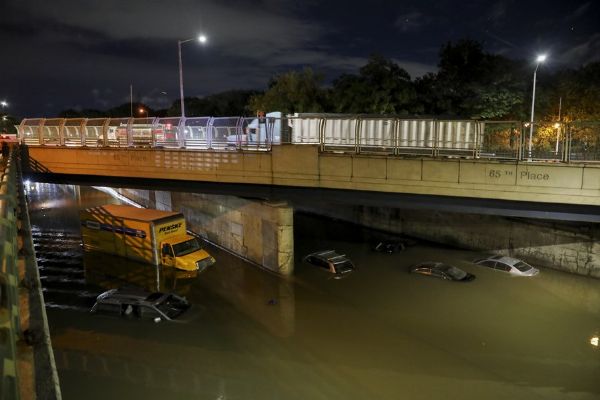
(109, 272)
(381, 333)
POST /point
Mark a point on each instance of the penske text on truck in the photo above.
(153, 236)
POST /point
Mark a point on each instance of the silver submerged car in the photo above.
(140, 304)
(331, 261)
(511, 265)
(442, 271)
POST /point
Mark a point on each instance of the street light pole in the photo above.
(540, 59)
(4, 104)
(201, 39)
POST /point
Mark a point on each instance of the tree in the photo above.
(292, 92)
(382, 87)
(471, 83)
(580, 93)
(229, 103)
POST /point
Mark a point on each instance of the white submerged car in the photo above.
(511, 265)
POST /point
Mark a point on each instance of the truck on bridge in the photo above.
(147, 235)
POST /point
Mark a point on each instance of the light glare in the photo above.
(202, 39)
(541, 58)
(594, 341)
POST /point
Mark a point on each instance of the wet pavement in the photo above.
(380, 332)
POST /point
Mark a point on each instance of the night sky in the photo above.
(60, 54)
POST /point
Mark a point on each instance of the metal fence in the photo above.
(514, 140)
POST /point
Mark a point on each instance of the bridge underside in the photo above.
(511, 188)
(300, 196)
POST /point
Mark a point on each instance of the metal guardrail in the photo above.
(9, 296)
(551, 142)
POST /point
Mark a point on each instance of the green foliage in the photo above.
(292, 92)
(227, 103)
(382, 87)
(580, 93)
(472, 84)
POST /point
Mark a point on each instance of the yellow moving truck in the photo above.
(154, 236)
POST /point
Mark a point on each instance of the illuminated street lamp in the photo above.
(4, 104)
(202, 39)
(142, 110)
(540, 59)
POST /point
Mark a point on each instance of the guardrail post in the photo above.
(61, 132)
(41, 131)
(153, 126)
(357, 137)
(436, 135)
(82, 132)
(129, 132)
(209, 132)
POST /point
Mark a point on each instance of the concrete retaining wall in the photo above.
(571, 247)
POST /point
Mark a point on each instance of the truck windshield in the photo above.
(187, 247)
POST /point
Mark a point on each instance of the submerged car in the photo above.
(389, 246)
(331, 261)
(442, 271)
(511, 265)
(140, 304)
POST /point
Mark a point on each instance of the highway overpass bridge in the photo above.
(483, 165)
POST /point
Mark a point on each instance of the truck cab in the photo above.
(185, 253)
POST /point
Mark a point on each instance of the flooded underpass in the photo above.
(378, 333)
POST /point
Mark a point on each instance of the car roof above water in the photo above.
(505, 259)
(129, 294)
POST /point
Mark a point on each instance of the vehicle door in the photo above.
(488, 263)
(500, 266)
(167, 255)
(150, 313)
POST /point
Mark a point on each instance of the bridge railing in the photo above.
(514, 140)
(582, 141)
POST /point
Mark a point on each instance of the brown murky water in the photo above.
(380, 333)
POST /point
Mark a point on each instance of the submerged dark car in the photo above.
(140, 304)
(389, 246)
(442, 271)
(331, 261)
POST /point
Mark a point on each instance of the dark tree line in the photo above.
(469, 83)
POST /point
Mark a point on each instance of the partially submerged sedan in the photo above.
(331, 261)
(442, 271)
(511, 265)
(140, 304)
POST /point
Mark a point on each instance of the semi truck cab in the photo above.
(184, 252)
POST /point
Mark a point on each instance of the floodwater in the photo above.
(379, 333)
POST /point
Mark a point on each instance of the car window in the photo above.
(343, 267)
(502, 267)
(521, 266)
(488, 263)
(167, 250)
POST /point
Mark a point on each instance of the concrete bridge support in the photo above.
(259, 231)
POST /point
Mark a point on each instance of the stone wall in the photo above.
(259, 231)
